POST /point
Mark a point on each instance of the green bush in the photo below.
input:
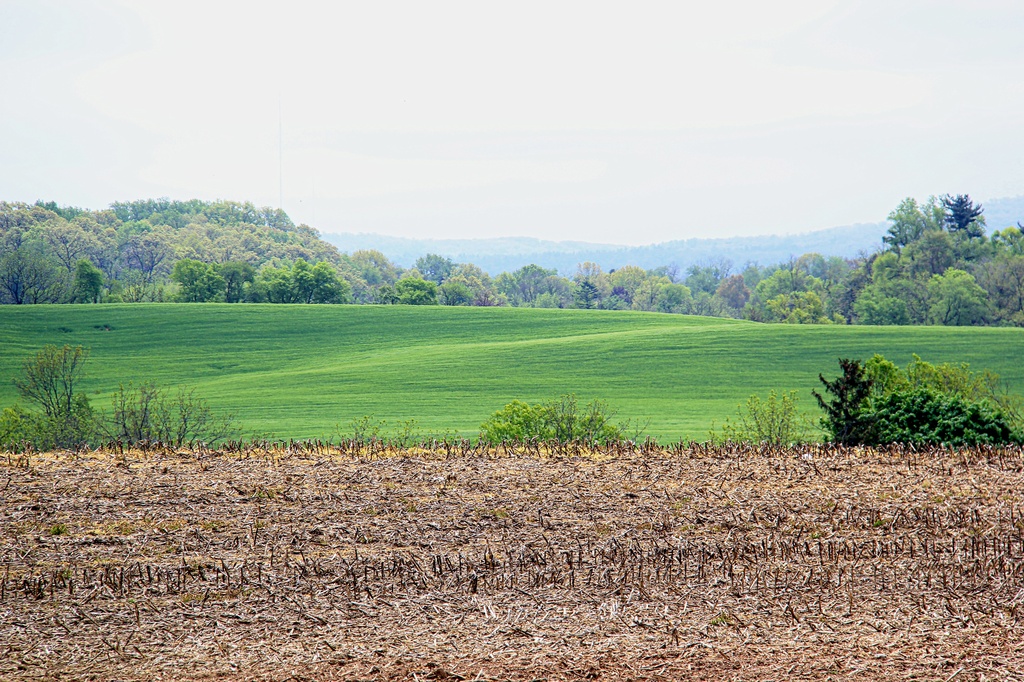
(21, 428)
(924, 416)
(561, 420)
(947, 379)
(368, 429)
(924, 404)
(17, 428)
(775, 420)
(517, 421)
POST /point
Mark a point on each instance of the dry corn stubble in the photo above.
(513, 563)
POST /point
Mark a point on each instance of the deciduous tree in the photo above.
(415, 291)
(28, 276)
(434, 267)
(88, 286)
(955, 299)
(236, 275)
(199, 281)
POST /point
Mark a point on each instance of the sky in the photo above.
(618, 122)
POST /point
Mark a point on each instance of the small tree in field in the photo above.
(845, 418)
(49, 381)
(50, 377)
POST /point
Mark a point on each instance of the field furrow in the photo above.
(465, 563)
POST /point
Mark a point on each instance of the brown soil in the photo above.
(313, 563)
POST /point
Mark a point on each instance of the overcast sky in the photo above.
(628, 123)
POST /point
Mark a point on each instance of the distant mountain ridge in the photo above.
(510, 253)
(1003, 212)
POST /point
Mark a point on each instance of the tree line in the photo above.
(937, 264)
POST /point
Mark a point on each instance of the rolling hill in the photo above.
(303, 371)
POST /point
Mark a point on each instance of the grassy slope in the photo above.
(299, 371)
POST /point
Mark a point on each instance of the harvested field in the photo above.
(315, 562)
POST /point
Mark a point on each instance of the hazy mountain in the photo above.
(510, 253)
(1000, 213)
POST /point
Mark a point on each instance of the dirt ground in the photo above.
(314, 563)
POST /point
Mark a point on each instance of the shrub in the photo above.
(368, 429)
(561, 420)
(885, 376)
(569, 422)
(925, 404)
(517, 421)
(65, 418)
(50, 377)
(71, 429)
(149, 413)
(774, 420)
(17, 428)
(947, 379)
(924, 416)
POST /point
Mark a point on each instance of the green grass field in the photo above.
(303, 371)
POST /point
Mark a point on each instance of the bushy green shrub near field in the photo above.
(923, 416)
(877, 403)
(775, 419)
(63, 416)
(955, 379)
(563, 420)
(22, 429)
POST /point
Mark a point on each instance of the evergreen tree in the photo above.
(845, 418)
(963, 216)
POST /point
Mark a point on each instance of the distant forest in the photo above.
(937, 264)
